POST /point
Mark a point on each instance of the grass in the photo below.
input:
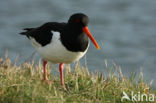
(24, 84)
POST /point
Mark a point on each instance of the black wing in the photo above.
(43, 34)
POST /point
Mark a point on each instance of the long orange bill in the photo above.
(86, 30)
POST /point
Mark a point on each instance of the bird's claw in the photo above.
(47, 82)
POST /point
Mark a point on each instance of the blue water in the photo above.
(124, 29)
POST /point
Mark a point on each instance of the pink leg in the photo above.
(45, 70)
(45, 73)
(61, 65)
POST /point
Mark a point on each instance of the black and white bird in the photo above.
(61, 42)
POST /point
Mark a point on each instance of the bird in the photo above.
(61, 42)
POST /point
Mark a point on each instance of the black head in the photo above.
(79, 19)
(79, 23)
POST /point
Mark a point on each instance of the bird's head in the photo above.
(81, 21)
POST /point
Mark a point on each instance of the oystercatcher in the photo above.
(61, 42)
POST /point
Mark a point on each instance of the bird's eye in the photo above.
(77, 20)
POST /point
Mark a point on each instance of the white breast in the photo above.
(55, 51)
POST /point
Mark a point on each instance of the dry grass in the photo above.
(24, 84)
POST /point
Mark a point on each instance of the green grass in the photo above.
(24, 84)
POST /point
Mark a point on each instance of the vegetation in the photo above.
(24, 84)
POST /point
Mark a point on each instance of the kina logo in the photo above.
(138, 97)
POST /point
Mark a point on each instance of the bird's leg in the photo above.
(45, 72)
(61, 66)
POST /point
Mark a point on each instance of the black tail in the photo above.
(26, 32)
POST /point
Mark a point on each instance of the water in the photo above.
(124, 29)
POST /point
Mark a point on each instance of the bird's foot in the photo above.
(47, 82)
(64, 87)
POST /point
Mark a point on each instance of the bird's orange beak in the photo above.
(86, 31)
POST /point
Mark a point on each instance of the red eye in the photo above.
(77, 20)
